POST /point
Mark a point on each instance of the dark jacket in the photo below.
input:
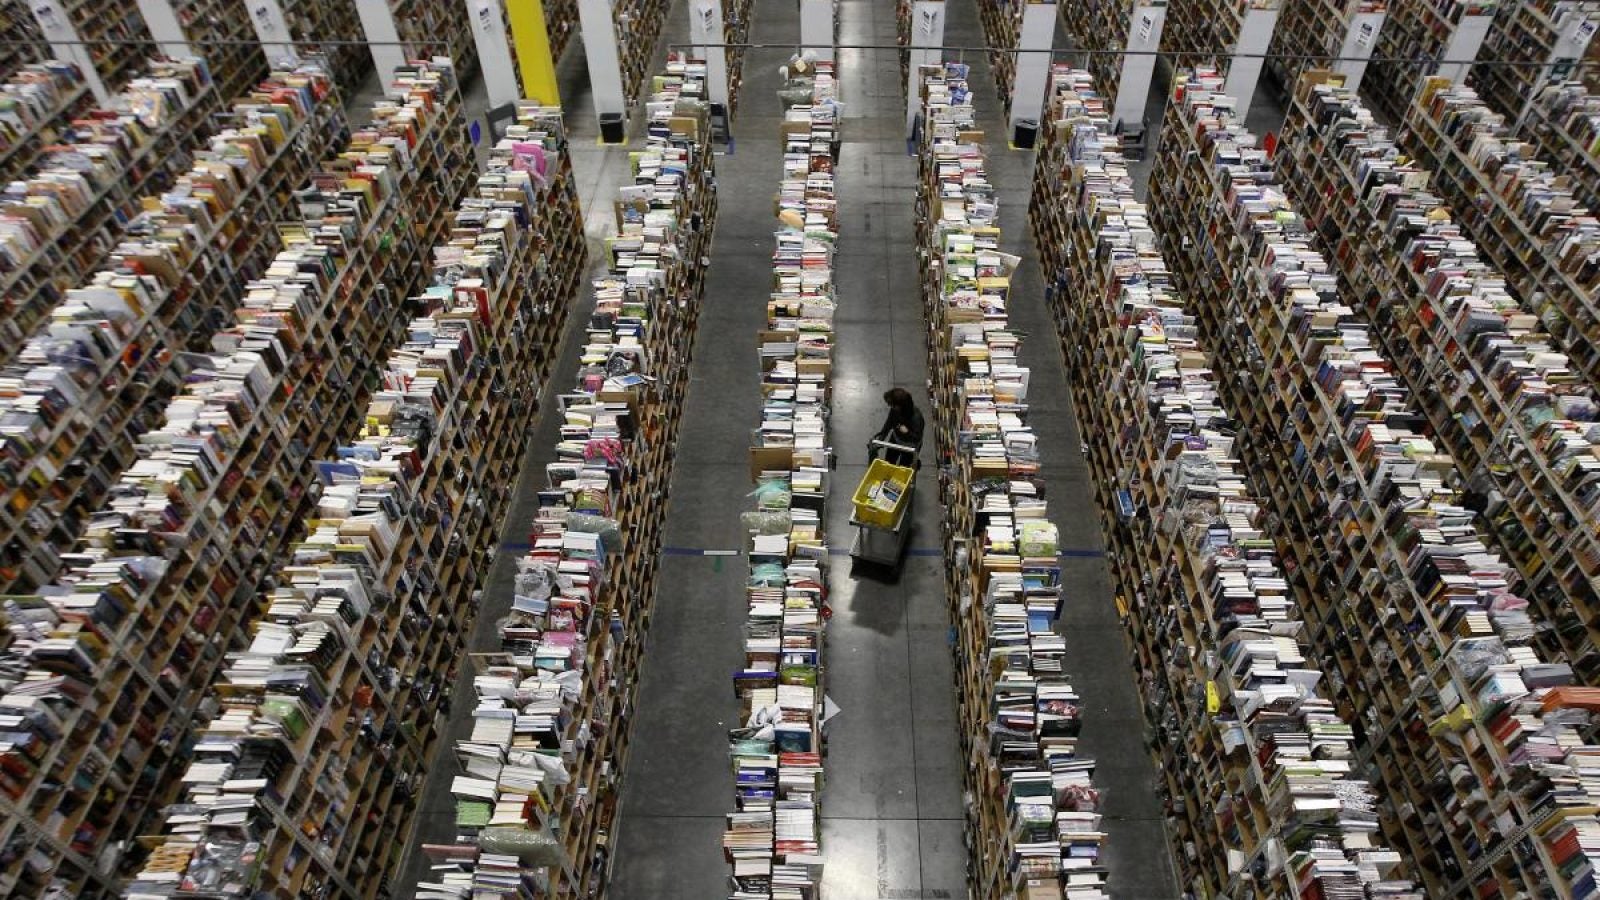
(911, 418)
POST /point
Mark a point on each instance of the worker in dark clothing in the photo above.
(903, 425)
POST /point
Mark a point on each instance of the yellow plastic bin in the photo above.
(872, 506)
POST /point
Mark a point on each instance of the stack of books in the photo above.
(37, 103)
(214, 488)
(1230, 689)
(88, 181)
(549, 736)
(1035, 818)
(350, 665)
(1459, 333)
(773, 840)
(1408, 606)
(176, 266)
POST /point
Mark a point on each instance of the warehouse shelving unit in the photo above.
(1253, 748)
(196, 244)
(1033, 821)
(1419, 623)
(90, 182)
(119, 650)
(1521, 212)
(1534, 34)
(1453, 327)
(1416, 31)
(357, 241)
(541, 764)
(1315, 31)
(1002, 27)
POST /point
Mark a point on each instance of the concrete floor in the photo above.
(893, 807)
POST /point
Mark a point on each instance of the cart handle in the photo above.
(891, 445)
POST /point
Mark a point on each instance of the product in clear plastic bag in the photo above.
(531, 848)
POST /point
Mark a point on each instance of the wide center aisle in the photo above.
(887, 814)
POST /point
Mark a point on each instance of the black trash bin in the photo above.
(1022, 137)
(611, 128)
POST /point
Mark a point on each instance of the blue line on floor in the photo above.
(1071, 553)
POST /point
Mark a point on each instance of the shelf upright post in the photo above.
(1027, 88)
(927, 30)
(816, 28)
(1359, 41)
(162, 21)
(272, 30)
(1465, 42)
(1244, 70)
(706, 31)
(66, 45)
(383, 37)
(605, 65)
(494, 51)
(1133, 86)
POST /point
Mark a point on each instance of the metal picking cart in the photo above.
(882, 531)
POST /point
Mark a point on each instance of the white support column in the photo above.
(1133, 86)
(1255, 35)
(600, 49)
(927, 30)
(272, 30)
(816, 28)
(494, 52)
(383, 37)
(1576, 24)
(1357, 47)
(1464, 45)
(1033, 69)
(65, 43)
(164, 27)
(706, 29)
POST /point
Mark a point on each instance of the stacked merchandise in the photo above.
(904, 13)
(1416, 31)
(114, 35)
(1033, 812)
(431, 28)
(80, 393)
(37, 104)
(57, 225)
(1257, 759)
(1002, 26)
(1103, 25)
(1564, 122)
(735, 30)
(638, 26)
(26, 44)
(1310, 35)
(537, 796)
(773, 839)
(305, 782)
(336, 22)
(1521, 211)
(1205, 30)
(109, 676)
(1457, 334)
(221, 30)
(1543, 40)
(1426, 642)
(560, 21)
